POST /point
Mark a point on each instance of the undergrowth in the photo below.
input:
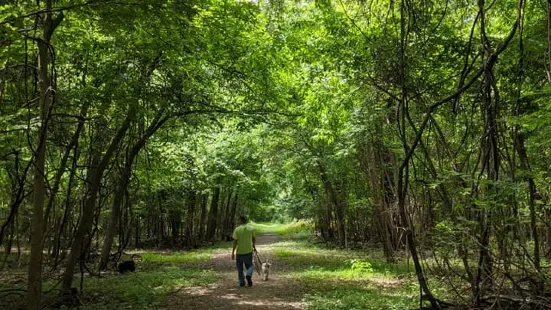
(142, 290)
(342, 279)
(332, 279)
(293, 230)
(157, 275)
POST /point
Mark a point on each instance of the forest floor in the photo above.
(281, 291)
(306, 274)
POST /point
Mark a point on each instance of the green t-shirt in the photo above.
(244, 235)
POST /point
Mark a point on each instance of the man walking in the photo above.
(244, 242)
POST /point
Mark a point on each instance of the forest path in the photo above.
(281, 291)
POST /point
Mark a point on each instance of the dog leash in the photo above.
(258, 262)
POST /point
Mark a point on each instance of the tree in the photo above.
(46, 94)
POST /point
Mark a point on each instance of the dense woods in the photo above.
(417, 127)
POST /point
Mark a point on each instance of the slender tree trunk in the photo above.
(403, 172)
(327, 220)
(233, 212)
(520, 143)
(18, 188)
(122, 185)
(381, 183)
(490, 159)
(115, 216)
(189, 236)
(203, 218)
(213, 215)
(46, 103)
(64, 159)
(87, 216)
(525, 165)
(225, 215)
(336, 202)
(137, 232)
(68, 206)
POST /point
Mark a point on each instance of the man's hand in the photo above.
(234, 246)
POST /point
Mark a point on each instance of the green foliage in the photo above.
(361, 266)
(302, 111)
(142, 290)
(294, 229)
(146, 288)
(175, 258)
(359, 298)
(337, 279)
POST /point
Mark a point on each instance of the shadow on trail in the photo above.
(279, 292)
(266, 239)
(265, 295)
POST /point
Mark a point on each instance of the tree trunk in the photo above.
(18, 196)
(231, 217)
(336, 202)
(213, 214)
(403, 171)
(137, 232)
(225, 215)
(67, 211)
(87, 216)
(64, 159)
(189, 236)
(175, 223)
(46, 102)
(519, 141)
(122, 185)
(203, 218)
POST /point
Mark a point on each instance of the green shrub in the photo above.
(360, 265)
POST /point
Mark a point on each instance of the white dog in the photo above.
(266, 270)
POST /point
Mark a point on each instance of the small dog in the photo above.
(266, 270)
(126, 266)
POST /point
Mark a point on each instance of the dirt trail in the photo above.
(279, 292)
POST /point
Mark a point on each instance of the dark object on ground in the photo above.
(126, 266)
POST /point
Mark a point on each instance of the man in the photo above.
(244, 242)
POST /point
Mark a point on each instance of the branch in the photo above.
(492, 59)
(429, 112)
(65, 8)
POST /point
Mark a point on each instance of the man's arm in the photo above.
(233, 249)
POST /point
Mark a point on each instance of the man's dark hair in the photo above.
(243, 218)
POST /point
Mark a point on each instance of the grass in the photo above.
(161, 273)
(342, 279)
(142, 290)
(293, 230)
(175, 257)
(157, 275)
(354, 297)
(332, 279)
(347, 287)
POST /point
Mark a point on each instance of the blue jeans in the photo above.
(246, 259)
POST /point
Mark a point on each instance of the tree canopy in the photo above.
(417, 127)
